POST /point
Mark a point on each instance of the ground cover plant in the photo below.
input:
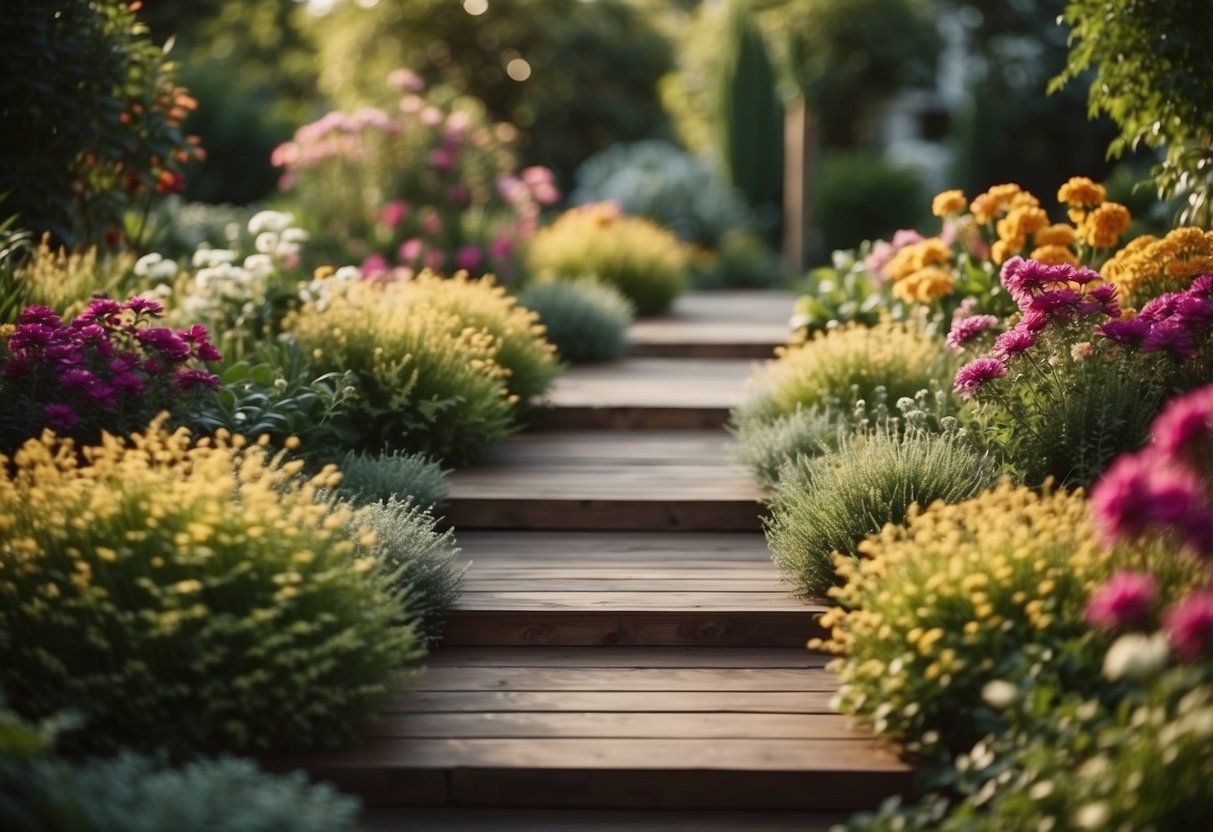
(178, 596)
(584, 319)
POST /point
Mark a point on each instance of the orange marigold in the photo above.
(1059, 234)
(1103, 226)
(1082, 191)
(925, 285)
(1054, 255)
(1002, 250)
(948, 203)
(1022, 221)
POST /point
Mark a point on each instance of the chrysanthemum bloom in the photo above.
(1189, 624)
(972, 376)
(1103, 226)
(1080, 194)
(1052, 255)
(1142, 493)
(948, 203)
(966, 329)
(1014, 342)
(1124, 601)
(1185, 425)
(1058, 234)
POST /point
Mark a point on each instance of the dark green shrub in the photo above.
(859, 196)
(368, 478)
(586, 320)
(189, 597)
(89, 117)
(419, 559)
(829, 503)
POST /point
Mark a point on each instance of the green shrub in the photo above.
(645, 262)
(419, 558)
(521, 349)
(427, 382)
(829, 503)
(371, 478)
(586, 320)
(859, 196)
(90, 119)
(656, 180)
(742, 260)
(847, 364)
(188, 598)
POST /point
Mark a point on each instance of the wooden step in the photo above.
(597, 728)
(735, 324)
(598, 480)
(614, 589)
(459, 819)
(648, 394)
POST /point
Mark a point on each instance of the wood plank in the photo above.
(633, 417)
(568, 512)
(722, 601)
(446, 655)
(605, 482)
(767, 628)
(465, 819)
(479, 581)
(520, 725)
(732, 324)
(484, 701)
(684, 447)
(631, 547)
(632, 679)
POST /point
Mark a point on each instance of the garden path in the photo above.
(622, 655)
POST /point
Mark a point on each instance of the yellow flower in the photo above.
(1081, 191)
(1022, 221)
(1052, 255)
(1003, 250)
(925, 285)
(948, 203)
(1103, 226)
(1060, 234)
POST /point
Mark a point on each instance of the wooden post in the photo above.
(800, 150)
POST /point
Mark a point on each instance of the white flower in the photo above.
(1092, 816)
(999, 694)
(295, 235)
(259, 265)
(206, 256)
(1136, 657)
(275, 221)
(286, 248)
(145, 264)
(348, 273)
(267, 242)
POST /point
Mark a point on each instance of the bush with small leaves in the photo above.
(642, 260)
(371, 478)
(586, 320)
(419, 559)
(829, 503)
(189, 597)
(427, 381)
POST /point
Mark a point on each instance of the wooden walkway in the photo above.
(623, 656)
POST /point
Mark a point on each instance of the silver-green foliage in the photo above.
(420, 559)
(369, 478)
(829, 503)
(586, 320)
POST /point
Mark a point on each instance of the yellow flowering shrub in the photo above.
(644, 261)
(522, 349)
(1148, 266)
(428, 381)
(962, 596)
(839, 365)
(64, 280)
(188, 597)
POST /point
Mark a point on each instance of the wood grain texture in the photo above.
(465, 819)
(733, 324)
(446, 655)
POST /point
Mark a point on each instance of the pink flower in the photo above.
(469, 258)
(1014, 342)
(1185, 424)
(458, 195)
(966, 329)
(61, 416)
(1171, 336)
(972, 376)
(373, 265)
(432, 223)
(1123, 601)
(1132, 331)
(1142, 492)
(1189, 624)
(500, 248)
(411, 249)
(442, 159)
(405, 80)
(546, 193)
(393, 212)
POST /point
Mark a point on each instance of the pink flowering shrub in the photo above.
(108, 369)
(431, 184)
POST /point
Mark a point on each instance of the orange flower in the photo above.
(1103, 226)
(1053, 255)
(1082, 191)
(1059, 234)
(948, 203)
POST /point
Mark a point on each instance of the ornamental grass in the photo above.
(845, 365)
(829, 503)
(428, 381)
(189, 597)
(587, 320)
(645, 262)
(939, 615)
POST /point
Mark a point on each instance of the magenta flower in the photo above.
(1142, 492)
(393, 213)
(1189, 624)
(1202, 285)
(1105, 296)
(373, 265)
(500, 248)
(140, 306)
(1013, 342)
(459, 195)
(1195, 313)
(1161, 307)
(1061, 302)
(432, 223)
(1131, 331)
(442, 159)
(194, 379)
(966, 329)
(972, 376)
(1185, 424)
(469, 258)
(129, 383)
(43, 315)
(1170, 336)
(1123, 601)
(411, 249)
(164, 341)
(1025, 278)
(61, 416)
